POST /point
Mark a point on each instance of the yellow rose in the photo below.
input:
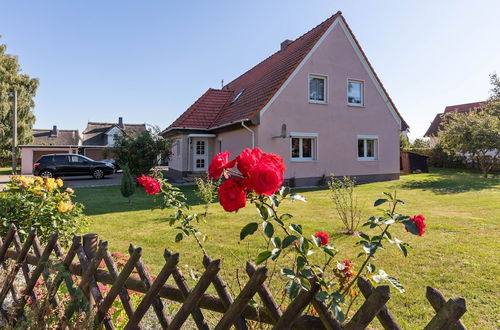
(50, 184)
(64, 206)
(38, 180)
(59, 182)
(37, 190)
(69, 191)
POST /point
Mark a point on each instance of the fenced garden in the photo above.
(445, 257)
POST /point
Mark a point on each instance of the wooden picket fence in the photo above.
(32, 260)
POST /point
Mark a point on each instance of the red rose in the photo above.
(248, 159)
(219, 163)
(265, 178)
(232, 194)
(151, 185)
(276, 160)
(323, 237)
(419, 221)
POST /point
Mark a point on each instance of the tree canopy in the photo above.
(141, 153)
(475, 134)
(11, 78)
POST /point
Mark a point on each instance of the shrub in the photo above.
(128, 185)
(346, 202)
(41, 204)
(207, 191)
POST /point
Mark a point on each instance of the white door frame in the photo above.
(199, 155)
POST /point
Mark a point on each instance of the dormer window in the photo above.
(238, 96)
(317, 89)
(355, 93)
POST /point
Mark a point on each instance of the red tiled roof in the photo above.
(436, 123)
(216, 107)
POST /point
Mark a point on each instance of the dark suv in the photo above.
(71, 164)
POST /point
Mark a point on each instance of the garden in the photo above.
(299, 236)
(455, 254)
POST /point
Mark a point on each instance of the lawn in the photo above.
(458, 254)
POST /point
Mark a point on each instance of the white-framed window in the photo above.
(355, 92)
(200, 147)
(367, 147)
(200, 163)
(317, 88)
(303, 146)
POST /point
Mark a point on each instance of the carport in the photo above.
(31, 153)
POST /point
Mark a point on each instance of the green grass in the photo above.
(458, 255)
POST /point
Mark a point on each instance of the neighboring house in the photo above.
(97, 137)
(436, 125)
(48, 141)
(317, 102)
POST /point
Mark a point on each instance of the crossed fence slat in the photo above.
(234, 312)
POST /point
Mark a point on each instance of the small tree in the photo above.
(141, 153)
(207, 191)
(475, 134)
(346, 202)
(404, 142)
(128, 185)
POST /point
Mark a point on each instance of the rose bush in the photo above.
(43, 204)
(255, 177)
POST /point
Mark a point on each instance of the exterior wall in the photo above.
(28, 155)
(236, 140)
(178, 151)
(433, 141)
(336, 123)
(97, 153)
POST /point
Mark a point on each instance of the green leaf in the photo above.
(268, 229)
(306, 273)
(179, 237)
(288, 272)
(337, 312)
(330, 250)
(297, 197)
(263, 211)
(274, 200)
(296, 228)
(284, 191)
(285, 216)
(276, 242)
(249, 229)
(303, 244)
(306, 285)
(364, 236)
(275, 253)
(301, 262)
(411, 226)
(322, 296)
(263, 256)
(288, 240)
(292, 289)
(316, 240)
(388, 194)
(379, 201)
(371, 268)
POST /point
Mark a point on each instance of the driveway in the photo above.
(80, 181)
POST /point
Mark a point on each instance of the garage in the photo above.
(31, 153)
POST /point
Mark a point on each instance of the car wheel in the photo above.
(98, 173)
(46, 174)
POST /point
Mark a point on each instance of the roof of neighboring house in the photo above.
(256, 87)
(95, 133)
(49, 137)
(436, 124)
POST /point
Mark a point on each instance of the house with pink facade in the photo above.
(317, 102)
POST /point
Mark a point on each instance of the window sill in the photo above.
(317, 102)
(303, 160)
(367, 159)
(356, 105)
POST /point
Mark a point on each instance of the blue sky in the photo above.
(147, 61)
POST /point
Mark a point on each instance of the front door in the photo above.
(200, 154)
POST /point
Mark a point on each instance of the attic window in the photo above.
(238, 96)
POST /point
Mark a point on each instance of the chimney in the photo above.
(54, 131)
(120, 122)
(285, 44)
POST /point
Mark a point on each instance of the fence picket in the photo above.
(182, 285)
(235, 311)
(152, 293)
(370, 308)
